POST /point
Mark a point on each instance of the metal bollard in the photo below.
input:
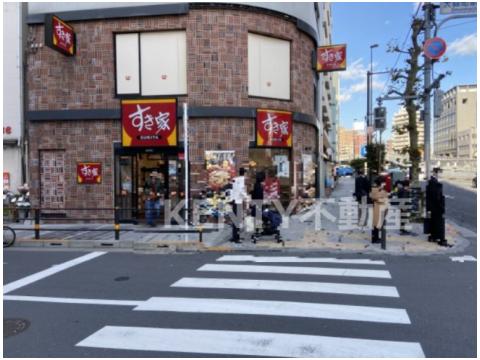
(200, 234)
(37, 224)
(117, 224)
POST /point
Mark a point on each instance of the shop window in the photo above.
(126, 46)
(275, 164)
(150, 64)
(164, 63)
(268, 67)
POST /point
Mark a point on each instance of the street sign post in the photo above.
(363, 150)
(434, 48)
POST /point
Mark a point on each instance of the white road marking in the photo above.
(463, 258)
(295, 259)
(278, 285)
(297, 270)
(84, 232)
(246, 343)
(276, 308)
(50, 271)
(449, 197)
(72, 300)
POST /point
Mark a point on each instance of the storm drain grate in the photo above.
(13, 327)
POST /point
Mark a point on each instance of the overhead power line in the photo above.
(387, 82)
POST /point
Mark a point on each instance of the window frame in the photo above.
(116, 95)
(290, 99)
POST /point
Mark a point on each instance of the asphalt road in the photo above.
(423, 305)
(461, 205)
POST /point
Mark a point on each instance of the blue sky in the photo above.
(360, 25)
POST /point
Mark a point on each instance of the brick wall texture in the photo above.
(217, 75)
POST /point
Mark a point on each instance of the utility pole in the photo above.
(429, 12)
(187, 159)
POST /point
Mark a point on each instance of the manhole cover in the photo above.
(13, 327)
(122, 278)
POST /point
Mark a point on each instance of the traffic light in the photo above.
(380, 117)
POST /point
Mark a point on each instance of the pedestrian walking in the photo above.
(435, 221)
(238, 195)
(379, 197)
(362, 191)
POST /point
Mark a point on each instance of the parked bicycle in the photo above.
(9, 236)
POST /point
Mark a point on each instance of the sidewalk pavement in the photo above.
(299, 232)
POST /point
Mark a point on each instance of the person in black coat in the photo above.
(361, 194)
(257, 193)
(435, 209)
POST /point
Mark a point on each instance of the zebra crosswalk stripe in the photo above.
(280, 285)
(276, 308)
(245, 343)
(298, 270)
(295, 259)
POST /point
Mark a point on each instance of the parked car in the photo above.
(344, 171)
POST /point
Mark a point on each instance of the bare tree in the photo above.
(408, 79)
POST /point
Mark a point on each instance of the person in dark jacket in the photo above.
(257, 193)
(362, 191)
(435, 209)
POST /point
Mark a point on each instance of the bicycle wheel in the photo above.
(8, 236)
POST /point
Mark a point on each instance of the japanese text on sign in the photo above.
(89, 173)
(332, 58)
(59, 35)
(274, 128)
(149, 123)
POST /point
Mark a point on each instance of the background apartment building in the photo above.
(13, 171)
(350, 142)
(456, 128)
(400, 141)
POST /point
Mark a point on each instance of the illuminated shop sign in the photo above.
(149, 123)
(274, 128)
(60, 36)
(89, 173)
(332, 58)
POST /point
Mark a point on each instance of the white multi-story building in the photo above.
(13, 174)
(400, 141)
(455, 129)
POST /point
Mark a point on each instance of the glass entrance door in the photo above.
(139, 172)
(126, 196)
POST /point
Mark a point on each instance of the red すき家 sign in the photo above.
(59, 35)
(149, 123)
(89, 173)
(332, 58)
(274, 128)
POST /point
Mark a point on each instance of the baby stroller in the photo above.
(271, 221)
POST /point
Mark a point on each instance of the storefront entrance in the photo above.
(276, 165)
(140, 173)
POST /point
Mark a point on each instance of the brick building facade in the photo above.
(74, 110)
